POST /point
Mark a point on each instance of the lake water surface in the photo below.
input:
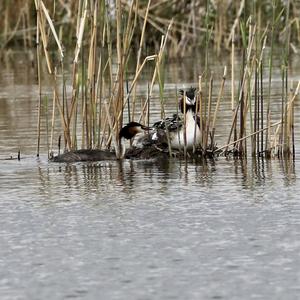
(222, 229)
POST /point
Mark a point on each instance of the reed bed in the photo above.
(18, 25)
(94, 111)
(109, 33)
(252, 109)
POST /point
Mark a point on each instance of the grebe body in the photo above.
(184, 130)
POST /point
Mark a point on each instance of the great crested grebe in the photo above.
(131, 129)
(135, 132)
(150, 142)
(183, 130)
(143, 145)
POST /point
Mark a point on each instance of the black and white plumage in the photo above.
(145, 140)
(190, 100)
(184, 130)
(143, 146)
(170, 123)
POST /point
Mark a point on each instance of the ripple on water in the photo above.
(216, 229)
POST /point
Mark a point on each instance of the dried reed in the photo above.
(93, 113)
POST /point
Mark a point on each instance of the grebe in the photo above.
(150, 142)
(179, 135)
(84, 155)
(143, 145)
(135, 132)
(132, 131)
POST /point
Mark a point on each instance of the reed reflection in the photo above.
(132, 176)
(258, 171)
(129, 175)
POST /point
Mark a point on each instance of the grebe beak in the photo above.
(146, 128)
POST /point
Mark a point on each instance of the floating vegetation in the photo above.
(110, 33)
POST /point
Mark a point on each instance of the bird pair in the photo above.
(178, 131)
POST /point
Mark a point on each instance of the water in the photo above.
(223, 229)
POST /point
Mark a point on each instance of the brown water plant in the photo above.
(96, 105)
(191, 19)
(102, 89)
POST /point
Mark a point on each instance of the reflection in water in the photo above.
(210, 229)
(126, 227)
(257, 171)
(132, 174)
(287, 167)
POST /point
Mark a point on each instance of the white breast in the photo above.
(178, 138)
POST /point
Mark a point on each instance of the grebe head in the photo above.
(128, 132)
(131, 129)
(190, 99)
